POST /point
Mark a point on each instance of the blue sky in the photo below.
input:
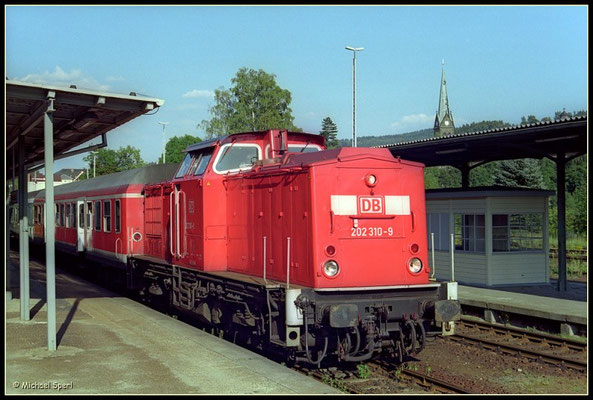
(501, 62)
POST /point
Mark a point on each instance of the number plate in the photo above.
(372, 231)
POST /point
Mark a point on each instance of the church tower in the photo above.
(443, 122)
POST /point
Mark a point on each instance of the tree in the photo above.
(531, 119)
(482, 126)
(441, 177)
(483, 175)
(107, 161)
(329, 131)
(525, 173)
(254, 103)
(175, 146)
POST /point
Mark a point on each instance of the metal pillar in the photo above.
(50, 223)
(8, 282)
(23, 234)
(9, 271)
(354, 50)
(464, 175)
(354, 100)
(561, 197)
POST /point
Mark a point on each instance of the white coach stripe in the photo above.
(397, 205)
(344, 205)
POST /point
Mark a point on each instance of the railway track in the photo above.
(385, 370)
(425, 380)
(532, 345)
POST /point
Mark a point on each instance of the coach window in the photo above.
(107, 215)
(97, 215)
(117, 216)
(185, 164)
(202, 162)
(236, 157)
(57, 214)
(67, 216)
(81, 215)
(62, 215)
(89, 206)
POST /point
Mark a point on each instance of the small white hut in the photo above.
(500, 235)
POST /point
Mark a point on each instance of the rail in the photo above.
(520, 350)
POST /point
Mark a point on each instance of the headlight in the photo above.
(371, 180)
(331, 268)
(415, 265)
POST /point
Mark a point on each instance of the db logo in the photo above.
(371, 205)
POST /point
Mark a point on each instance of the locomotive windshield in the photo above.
(236, 157)
(302, 148)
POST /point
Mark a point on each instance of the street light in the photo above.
(354, 50)
(163, 124)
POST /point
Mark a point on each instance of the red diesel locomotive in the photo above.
(270, 237)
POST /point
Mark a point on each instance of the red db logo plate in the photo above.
(370, 205)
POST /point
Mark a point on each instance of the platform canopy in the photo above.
(544, 139)
(45, 123)
(79, 116)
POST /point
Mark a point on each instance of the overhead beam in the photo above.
(27, 124)
(33, 168)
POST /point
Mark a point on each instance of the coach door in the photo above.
(88, 226)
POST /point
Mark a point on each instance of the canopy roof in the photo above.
(79, 116)
(544, 139)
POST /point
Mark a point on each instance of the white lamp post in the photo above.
(354, 50)
(164, 144)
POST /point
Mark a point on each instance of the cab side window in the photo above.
(202, 161)
(185, 164)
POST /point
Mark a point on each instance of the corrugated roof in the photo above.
(490, 131)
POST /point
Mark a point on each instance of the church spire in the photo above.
(443, 124)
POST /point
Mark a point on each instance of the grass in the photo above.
(523, 382)
(574, 268)
(572, 242)
(364, 371)
(335, 383)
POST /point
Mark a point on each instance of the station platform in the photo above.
(108, 344)
(537, 301)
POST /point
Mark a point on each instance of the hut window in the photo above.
(470, 232)
(517, 232)
(438, 223)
